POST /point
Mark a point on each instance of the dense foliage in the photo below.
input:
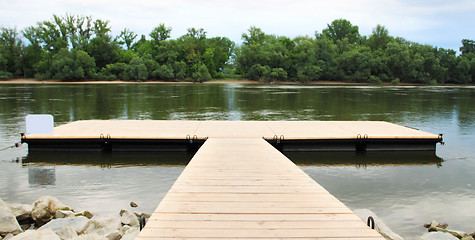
(341, 53)
(74, 48)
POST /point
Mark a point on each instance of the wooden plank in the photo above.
(341, 224)
(219, 196)
(247, 238)
(258, 233)
(248, 197)
(253, 217)
(172, 129)
(253, 204)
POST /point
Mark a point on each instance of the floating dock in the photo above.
(152, 135)
(239, 185)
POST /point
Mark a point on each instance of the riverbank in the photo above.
(214, 81)
(48, 218)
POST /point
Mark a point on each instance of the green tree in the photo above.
(126, 37)
(468, 46)
(11, 49)
(201, 74)
(72, 65)
(160, 33)
(137, 69)
(165, 72)
(179, 68)
(102, 47)
(340, 29)
(255, 36)
(380, 38)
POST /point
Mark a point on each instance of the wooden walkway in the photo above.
(245, 188)
(156, 129)
(238, 185)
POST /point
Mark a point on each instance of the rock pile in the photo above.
(442, 228)
(49, 219)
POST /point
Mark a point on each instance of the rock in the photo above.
(103, 226)
(455, 233)
(472, 234)
(438, 236)
(379, 225)
(129, 218)
(67, 232)
(77, 223)
(114, 236)
(26, 226)
(467, 238)
(46, 234)
(145, 215)
(91, 236)
(21, 211)
(44, 209)
(8, 236)
(64, 214)
(124, 229)
(8, 222)
(433, 226)
(443, 225)
(131, 233)
(85, 214)
(134, 205)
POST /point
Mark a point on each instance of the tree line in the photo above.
(73, 47)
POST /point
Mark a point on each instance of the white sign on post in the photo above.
(39, 124)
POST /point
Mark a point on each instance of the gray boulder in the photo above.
(77, 223)
(85, 214)
(21, 211)
(131, 233)
(64, 214)
(44, 209)
(91, 236)
(8, 236)
(47, 234)
(67, 232)
(103, 226)
(438, 236)
(8, 222)
(129, 218)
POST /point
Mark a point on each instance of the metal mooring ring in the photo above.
(370, 222)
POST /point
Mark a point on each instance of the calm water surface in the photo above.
(405, 190)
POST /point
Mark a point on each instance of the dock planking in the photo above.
(177, 129)
(244, 188)
(238, 185)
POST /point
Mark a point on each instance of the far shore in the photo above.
(214, 81)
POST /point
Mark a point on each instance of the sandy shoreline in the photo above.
(224, 81)
(233, 81)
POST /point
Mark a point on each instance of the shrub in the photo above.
(201, 74)
(375, 80)
(165, 72)
(395, 81)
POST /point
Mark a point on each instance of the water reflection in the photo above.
(108, 159)
(364, 159)
(41, 175)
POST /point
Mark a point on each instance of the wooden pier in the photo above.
(239, 185)
(245, 188)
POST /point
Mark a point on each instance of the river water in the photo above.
(406, 190)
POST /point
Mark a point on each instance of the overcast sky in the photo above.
(442, 23)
